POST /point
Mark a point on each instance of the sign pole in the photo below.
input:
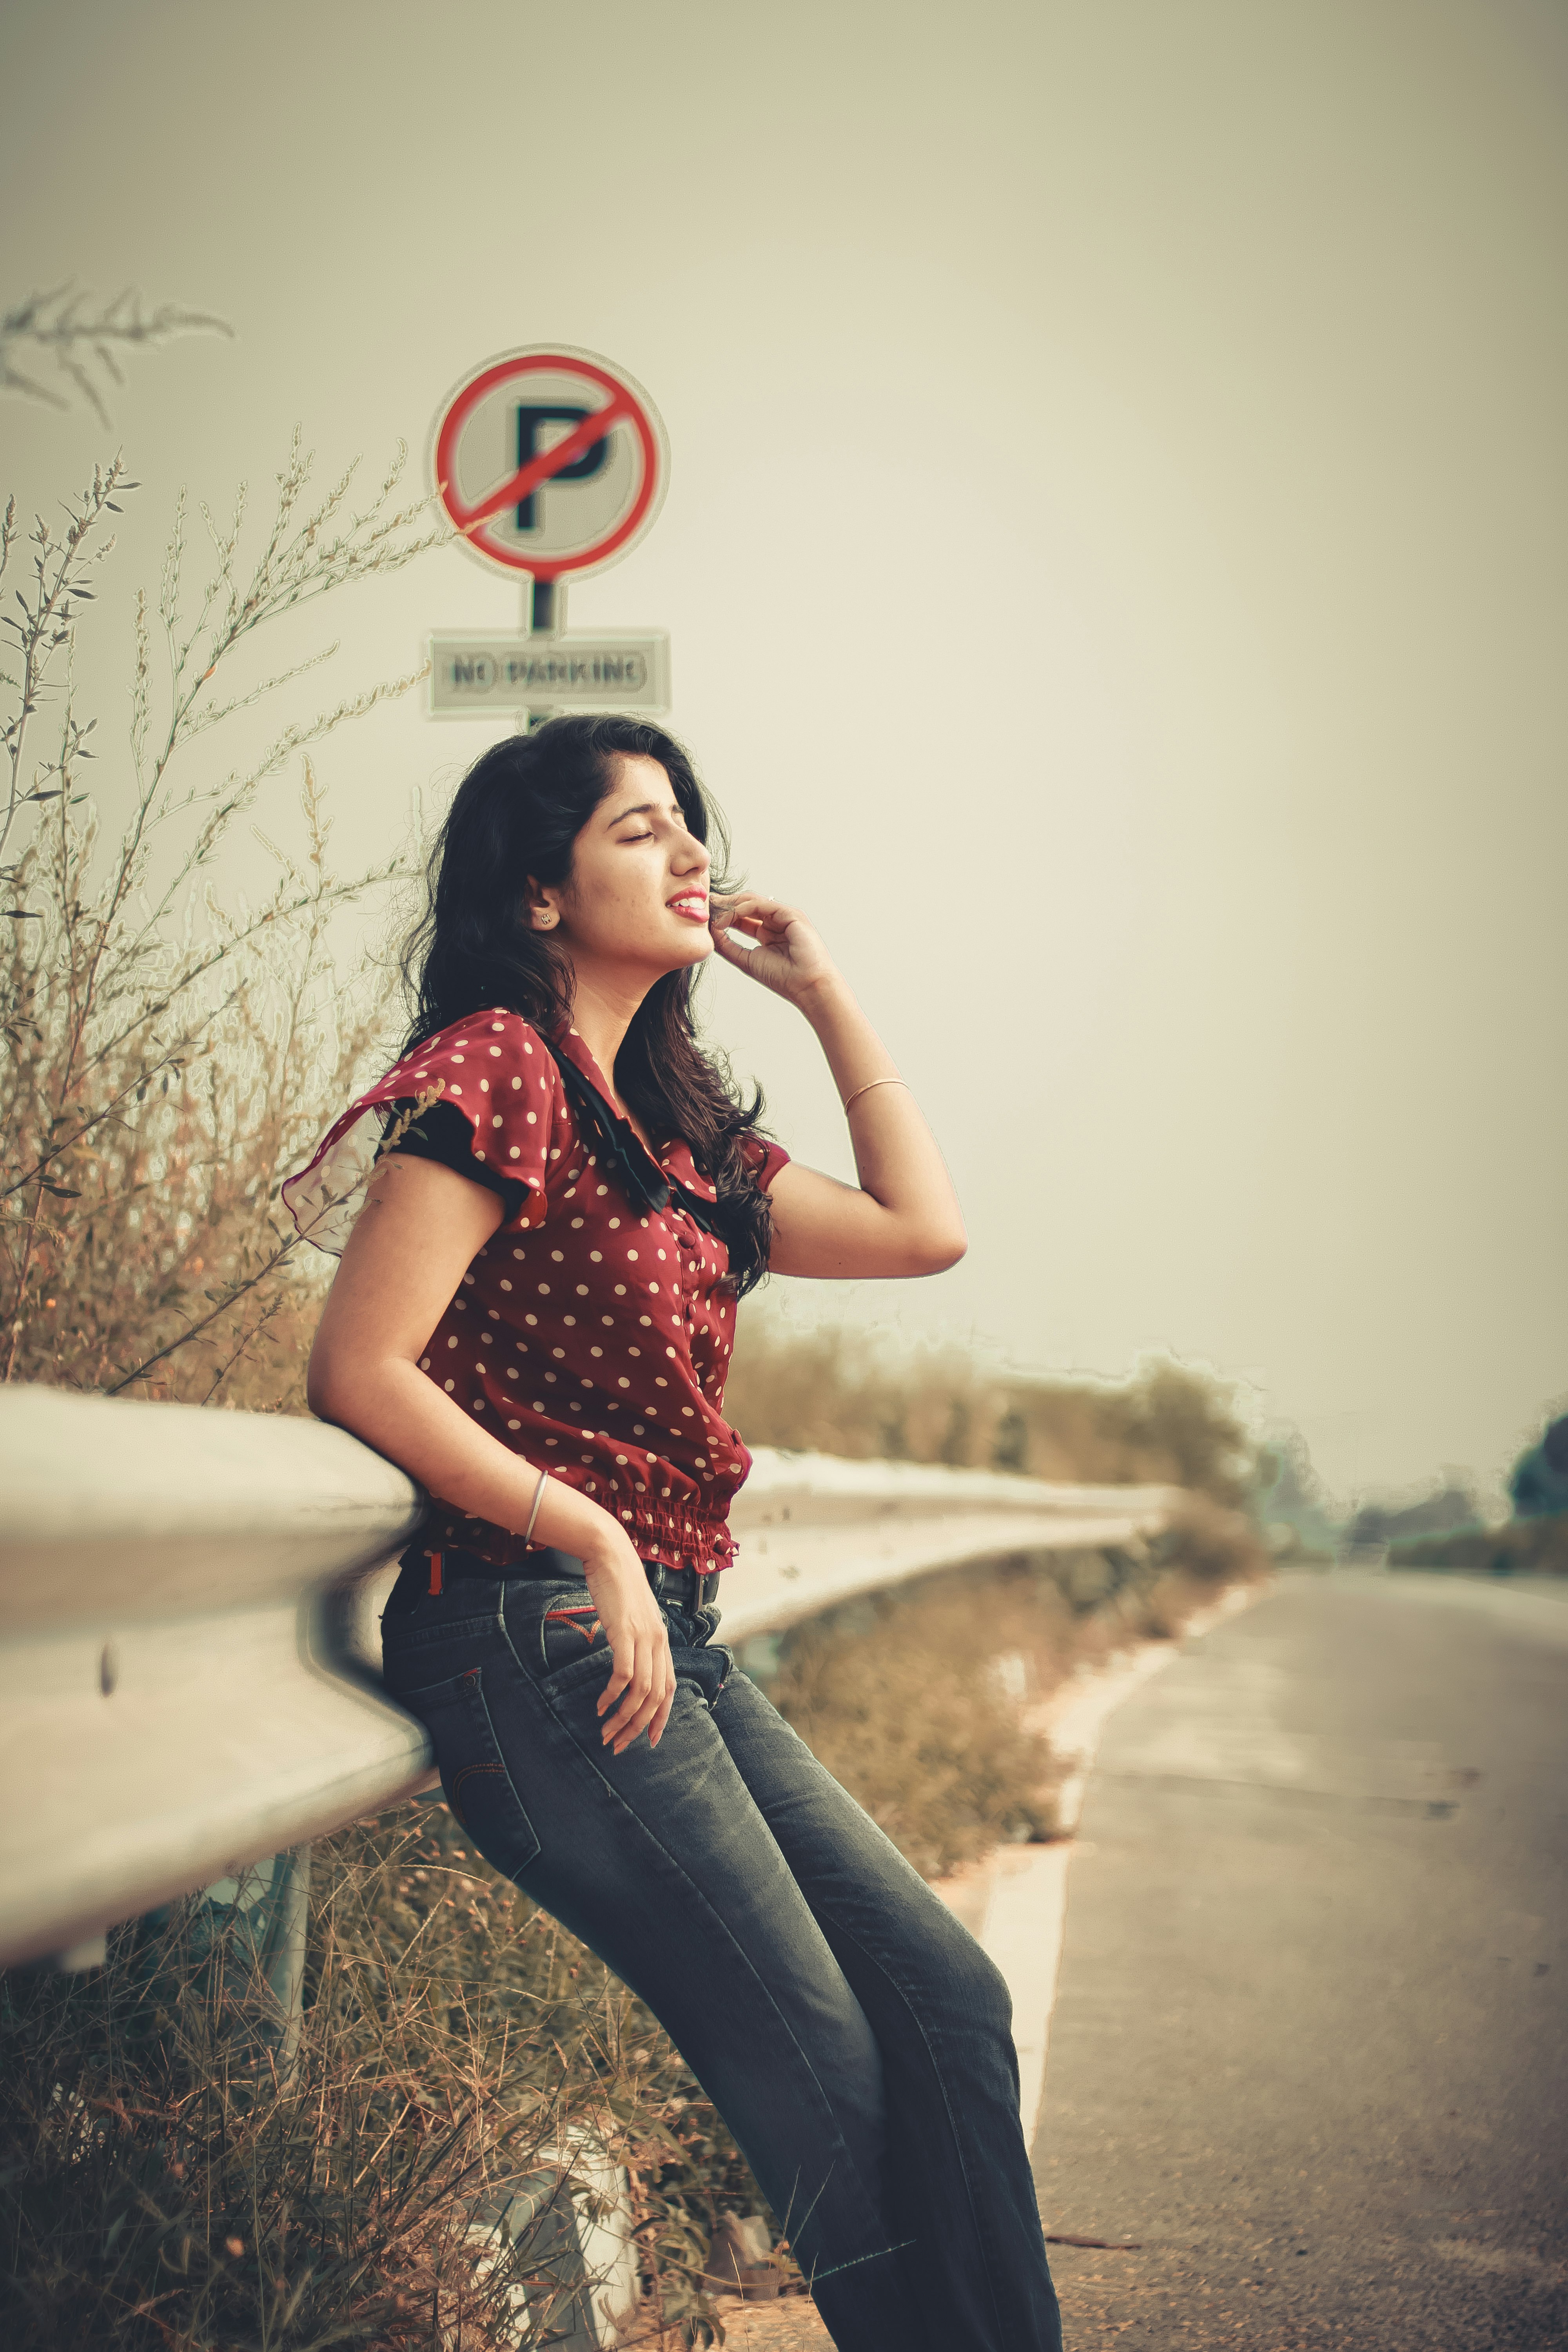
(544, 615)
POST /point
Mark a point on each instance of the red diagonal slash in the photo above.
(527, 480)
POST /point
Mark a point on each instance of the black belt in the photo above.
(428, 1572)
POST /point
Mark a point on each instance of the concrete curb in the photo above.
(1015, 1902)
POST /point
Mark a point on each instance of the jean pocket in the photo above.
(474, 1778)
(568, 1632)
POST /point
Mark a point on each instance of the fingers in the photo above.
(730, 949)
(655, 1728)
(749, 910)
(643, 1680)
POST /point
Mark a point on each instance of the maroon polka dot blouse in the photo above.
(590, 1338)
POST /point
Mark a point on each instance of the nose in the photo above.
(691, 859)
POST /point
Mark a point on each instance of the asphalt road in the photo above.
(1311, 2043)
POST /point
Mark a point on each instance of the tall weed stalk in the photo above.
(169, 1054)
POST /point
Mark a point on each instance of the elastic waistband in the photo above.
(432, 1571)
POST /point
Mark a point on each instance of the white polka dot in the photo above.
(450, 1385)
(458, 1057)
(451, 1343)
(424, 1363)
(514, 1154)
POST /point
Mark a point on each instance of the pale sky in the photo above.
(1115, 559)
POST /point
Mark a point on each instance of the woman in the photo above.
(533, 1317)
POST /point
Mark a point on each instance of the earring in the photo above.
(545, 917)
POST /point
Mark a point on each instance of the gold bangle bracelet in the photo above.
(867, 1086)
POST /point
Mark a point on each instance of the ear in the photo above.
(539, 904)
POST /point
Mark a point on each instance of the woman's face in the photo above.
(636, 897)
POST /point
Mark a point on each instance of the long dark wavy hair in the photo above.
(518, 812)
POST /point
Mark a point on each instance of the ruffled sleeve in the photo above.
(764, 1157)
(494, 1068)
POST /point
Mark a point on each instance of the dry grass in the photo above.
(160, 2188)
(917, 1698)
(835, 1392)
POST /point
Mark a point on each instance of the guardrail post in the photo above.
(252, 1926)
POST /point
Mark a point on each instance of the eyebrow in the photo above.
(643, 808)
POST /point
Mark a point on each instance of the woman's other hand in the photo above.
(787, 955)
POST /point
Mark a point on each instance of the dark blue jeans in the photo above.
(853, 2036)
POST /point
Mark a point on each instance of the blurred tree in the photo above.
(1538, 1483)
(1449, 1507)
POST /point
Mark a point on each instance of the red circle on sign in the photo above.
(624, 407)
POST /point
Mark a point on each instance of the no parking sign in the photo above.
(550, 461)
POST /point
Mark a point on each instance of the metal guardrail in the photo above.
(188, 1644)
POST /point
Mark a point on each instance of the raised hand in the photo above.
(786, 954)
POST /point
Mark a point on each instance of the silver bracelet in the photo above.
(538, 1499)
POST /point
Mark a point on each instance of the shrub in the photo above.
(169, 1057)
(1539, 1546)
(836, 1391)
